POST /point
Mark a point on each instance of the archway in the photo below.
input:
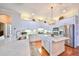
(5, 22)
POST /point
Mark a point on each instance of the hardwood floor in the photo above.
(42, 51)
(69, 51)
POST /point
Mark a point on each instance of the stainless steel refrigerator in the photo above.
(70, 32)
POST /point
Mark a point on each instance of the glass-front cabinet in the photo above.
(58, 31)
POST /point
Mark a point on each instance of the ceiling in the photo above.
(43, 10)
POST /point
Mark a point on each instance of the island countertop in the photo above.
(54, 45)
(54, 39)
(57, 39)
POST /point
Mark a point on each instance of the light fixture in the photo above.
(64, 11)
(41, 18)
(61, 17)
(51, 20)
(44, 21)
(51, 12)
(25, 16)
(33, 14)
(33, 18)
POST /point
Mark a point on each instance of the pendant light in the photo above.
(51, 12)
(33, 19)
(51, 21)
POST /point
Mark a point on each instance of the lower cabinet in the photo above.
(46, 44)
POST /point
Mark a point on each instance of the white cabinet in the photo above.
(45, 42)
(57, 48)
(53, 45)
(2, 40)
(46, 45)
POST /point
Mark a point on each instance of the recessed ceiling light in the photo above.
(33, 13)
(64, 11)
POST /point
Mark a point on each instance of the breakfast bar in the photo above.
(53, 45)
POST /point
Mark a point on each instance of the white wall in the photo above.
(34, 25)
(66, 21)
(15, 17)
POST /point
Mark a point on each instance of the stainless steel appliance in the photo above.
(70, 32)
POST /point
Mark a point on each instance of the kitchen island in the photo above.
(54, 45)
